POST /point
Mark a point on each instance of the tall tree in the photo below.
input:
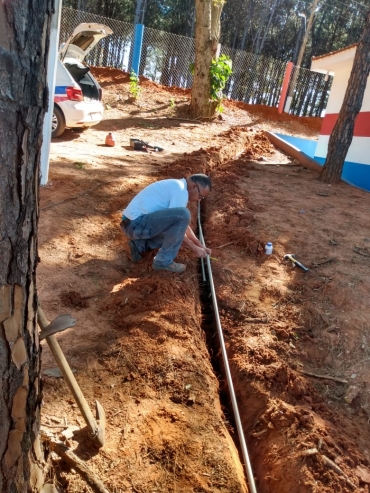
(339, 24)
(140, 11)
(207, 34)
(293, 81)
(255, 26)
(24, 35)
(342, 134)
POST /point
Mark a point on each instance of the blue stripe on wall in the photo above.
(304, 145)
(355, 174)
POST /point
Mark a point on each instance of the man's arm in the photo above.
(192, 242)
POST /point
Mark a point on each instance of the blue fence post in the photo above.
(138, 43)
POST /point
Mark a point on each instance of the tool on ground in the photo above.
(97, 427)
(291, 257)
(140, 145)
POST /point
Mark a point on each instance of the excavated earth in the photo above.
(145, 343)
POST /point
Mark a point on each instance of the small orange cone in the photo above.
(110, 140)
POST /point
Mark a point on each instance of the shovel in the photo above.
(291, 257)
(97, 427)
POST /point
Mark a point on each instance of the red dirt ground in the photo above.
(144, 344)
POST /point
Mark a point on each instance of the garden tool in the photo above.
(291, 257)
(97, 427)
(140, 145)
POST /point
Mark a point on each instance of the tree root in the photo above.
(332, 465)
(324, 377)
(78, 465)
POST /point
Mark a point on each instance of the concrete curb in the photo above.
(293, 151)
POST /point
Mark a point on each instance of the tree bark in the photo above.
(24, 37)
(342, 134)
(201, 105)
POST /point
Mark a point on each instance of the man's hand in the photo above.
(202, 252)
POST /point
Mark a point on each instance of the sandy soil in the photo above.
(145, 343)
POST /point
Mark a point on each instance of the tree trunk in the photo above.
(261, 43)
(299, 41)
(24, 36)
(247, 23)
(342, 134)
(201, 105)
(140, 12)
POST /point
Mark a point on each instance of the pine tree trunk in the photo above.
(342, 134)
(24, 35)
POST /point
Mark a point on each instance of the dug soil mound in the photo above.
(146, 344)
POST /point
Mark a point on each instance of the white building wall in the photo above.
(338, 90)
(359, 151)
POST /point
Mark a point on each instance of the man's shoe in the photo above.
(173, 267)
(134, 252)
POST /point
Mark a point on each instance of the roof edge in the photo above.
(334, 52)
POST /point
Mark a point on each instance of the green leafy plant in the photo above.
(134, 85)
(79, 165)
(220, 71)
(172, 103)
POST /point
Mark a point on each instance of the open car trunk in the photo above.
(89, 86)
(83, 39)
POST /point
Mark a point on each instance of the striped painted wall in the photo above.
(356, 170)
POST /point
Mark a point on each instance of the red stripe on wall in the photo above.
(362, 124)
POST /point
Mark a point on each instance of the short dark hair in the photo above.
(202, 180)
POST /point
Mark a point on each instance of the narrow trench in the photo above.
(209, 327)
(213, 345)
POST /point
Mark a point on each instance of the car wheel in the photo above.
(57, 123)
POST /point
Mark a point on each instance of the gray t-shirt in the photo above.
(160, 195)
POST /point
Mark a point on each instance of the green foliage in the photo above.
(115, 9)
(79, 165)
(220, 71)
(175, 16)
(134, 85)
(172, 103)
(270, 28)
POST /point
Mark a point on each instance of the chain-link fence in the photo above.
(112, 51)
(311, 92)
(256, 79)
(166, 58)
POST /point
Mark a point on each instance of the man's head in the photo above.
(199, 187)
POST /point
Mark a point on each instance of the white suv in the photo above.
(77, 99)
